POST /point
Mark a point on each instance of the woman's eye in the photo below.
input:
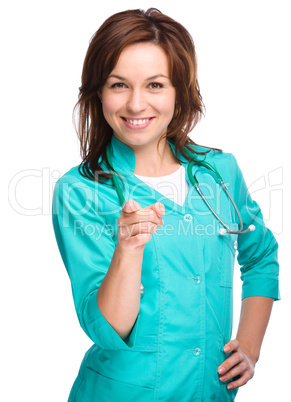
(156, 85)
(121, 85)
(118, 85)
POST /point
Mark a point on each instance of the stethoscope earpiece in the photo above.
(222, 231)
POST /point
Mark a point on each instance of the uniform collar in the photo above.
(123, 157)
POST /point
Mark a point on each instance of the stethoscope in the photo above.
(195, 183)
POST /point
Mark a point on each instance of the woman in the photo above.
(151, 272)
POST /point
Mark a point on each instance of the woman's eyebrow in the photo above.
(156, 76)
(147, 79)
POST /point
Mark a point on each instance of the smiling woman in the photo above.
(155, 299)
(136, 57)
(138, 109)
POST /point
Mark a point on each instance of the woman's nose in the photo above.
(136, 101)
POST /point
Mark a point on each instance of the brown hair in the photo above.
(117, 32)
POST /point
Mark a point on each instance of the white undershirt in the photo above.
(173, 186)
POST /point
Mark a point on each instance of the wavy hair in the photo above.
(116, 33)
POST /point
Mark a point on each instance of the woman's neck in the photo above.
(154, 164)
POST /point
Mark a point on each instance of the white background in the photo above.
(244, 69)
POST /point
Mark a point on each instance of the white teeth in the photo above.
(137, 122)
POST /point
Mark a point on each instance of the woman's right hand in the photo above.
(136, 224)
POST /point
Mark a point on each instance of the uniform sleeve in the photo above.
(86, 247)
(257, 250)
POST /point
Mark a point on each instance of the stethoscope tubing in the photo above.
(229, 230)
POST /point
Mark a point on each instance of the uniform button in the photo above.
(188, 218)
(141, 291)
(235, 245)
(196, 351)
(197, 279)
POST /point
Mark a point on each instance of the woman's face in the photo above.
(138, 97)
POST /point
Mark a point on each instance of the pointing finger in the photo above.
(131, 206)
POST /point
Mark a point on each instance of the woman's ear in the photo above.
(99, 95)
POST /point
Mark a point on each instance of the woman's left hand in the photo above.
(239, 363)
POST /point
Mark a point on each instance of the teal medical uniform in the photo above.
(176, 344)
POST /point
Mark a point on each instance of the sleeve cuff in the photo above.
(265, 287)
(101, 332)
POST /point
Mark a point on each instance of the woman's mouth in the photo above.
(137, 124)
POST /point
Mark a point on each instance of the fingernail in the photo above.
(223, 378)
(162, 208)
(226, 349)
(229, 386)
(130, 205)
(221, 370)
